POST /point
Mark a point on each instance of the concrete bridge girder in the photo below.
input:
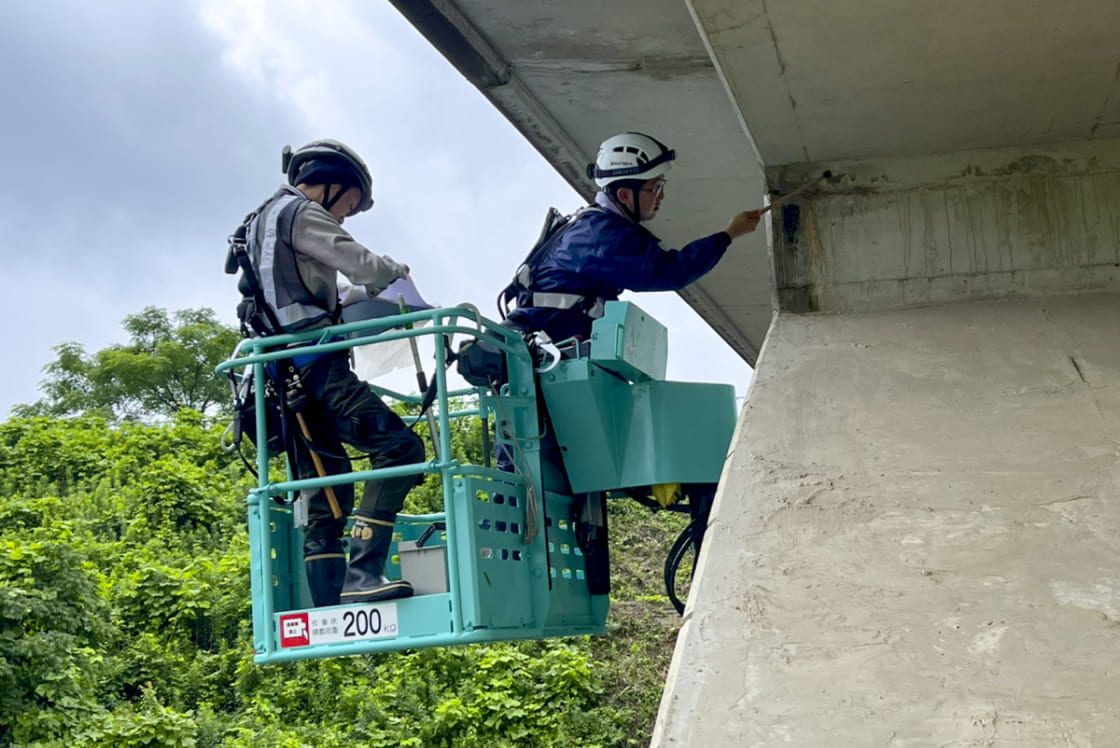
(819, 80)
(569, 74)
(914, 538)
(912, 231)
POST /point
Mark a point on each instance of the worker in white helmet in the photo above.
(605, 250)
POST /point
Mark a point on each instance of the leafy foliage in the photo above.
(122, 563)
(125, 620)
(167, 364)
(51, 625)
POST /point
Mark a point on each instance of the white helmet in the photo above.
(330, 159)
(630, 155)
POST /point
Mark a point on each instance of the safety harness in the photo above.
(258, 318)
(520, 290)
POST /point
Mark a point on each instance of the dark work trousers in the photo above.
(341, 409)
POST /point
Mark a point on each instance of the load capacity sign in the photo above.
(332, 625)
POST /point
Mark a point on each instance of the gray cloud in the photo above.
(138, 134)
(124, 111)
(125, 138)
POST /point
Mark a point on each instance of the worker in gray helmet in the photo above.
(297, 247)
(605, 249)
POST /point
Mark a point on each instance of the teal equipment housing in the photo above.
(620, 425)
(503, 560)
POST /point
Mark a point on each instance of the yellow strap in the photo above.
(667, 494)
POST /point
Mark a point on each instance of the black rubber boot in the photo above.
(365, 577)
(325, 564)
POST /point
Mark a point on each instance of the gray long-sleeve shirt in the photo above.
(323, 249)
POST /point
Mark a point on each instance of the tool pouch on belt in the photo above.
(482, 364)
(245, 415)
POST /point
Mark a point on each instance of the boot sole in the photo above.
(388, 592)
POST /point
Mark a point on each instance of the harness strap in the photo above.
(556, 300)
(239, 251)
(593, 308)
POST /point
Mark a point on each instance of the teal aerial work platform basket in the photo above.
(503, 560)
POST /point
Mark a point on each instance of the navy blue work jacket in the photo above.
(601, 255)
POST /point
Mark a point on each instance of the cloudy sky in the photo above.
(138, 134)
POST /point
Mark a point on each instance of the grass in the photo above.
(642, 625)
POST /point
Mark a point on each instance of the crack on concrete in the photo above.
(717, 29)
(1106, 420)
(747, 22)
(948, 229)
(657, 67)
(1097, 121)
(1077, 368)
(808, 500)
(1067, 500)
(785, 81)
(774, 41)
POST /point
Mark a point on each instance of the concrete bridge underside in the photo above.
(917, 536)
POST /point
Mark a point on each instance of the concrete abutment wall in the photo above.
(902, 232)
(917, 536)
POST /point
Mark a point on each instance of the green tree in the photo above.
(167, 364)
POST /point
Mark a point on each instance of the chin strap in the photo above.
(633, 215)
(328, 201)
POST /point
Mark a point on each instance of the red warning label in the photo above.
(295, 630)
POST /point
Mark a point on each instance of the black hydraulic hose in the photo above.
(485, 441)
(690, 536)
(700, 498)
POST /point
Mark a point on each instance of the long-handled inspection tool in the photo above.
(421, 379)
(799, 191)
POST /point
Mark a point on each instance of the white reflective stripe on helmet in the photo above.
(630, 155)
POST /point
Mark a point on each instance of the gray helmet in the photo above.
(330, 159)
